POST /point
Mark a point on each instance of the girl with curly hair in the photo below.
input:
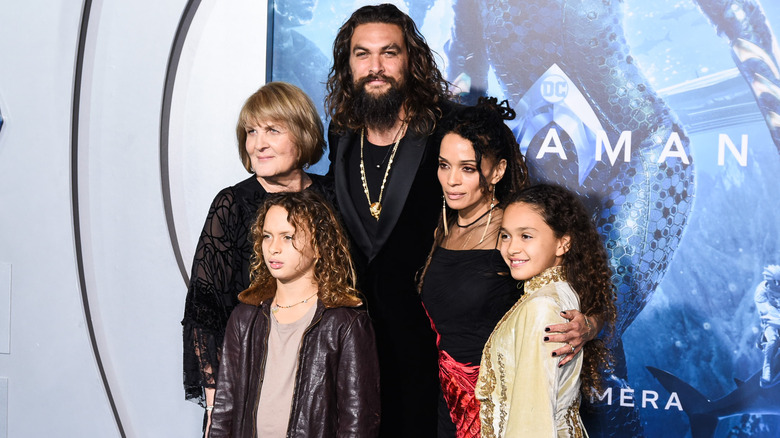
(548, 241)
(299, 357)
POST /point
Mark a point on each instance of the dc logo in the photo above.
(554, 88)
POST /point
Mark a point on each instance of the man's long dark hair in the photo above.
(427, 86)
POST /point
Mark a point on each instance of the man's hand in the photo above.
(573, 334)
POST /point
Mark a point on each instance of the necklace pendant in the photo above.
(375, 209)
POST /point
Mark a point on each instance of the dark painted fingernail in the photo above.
(560, 365)
(554, 354)
(546, 339)
(564, 312)
(547, 329)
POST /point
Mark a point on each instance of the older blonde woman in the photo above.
(279, 134)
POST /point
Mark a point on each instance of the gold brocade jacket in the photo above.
(521, 389)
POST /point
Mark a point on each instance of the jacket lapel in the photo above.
(346, 205)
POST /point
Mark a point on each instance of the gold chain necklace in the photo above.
(275, 308)
(376, 207)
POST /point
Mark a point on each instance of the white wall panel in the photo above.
(53, 387)
(222, 63)
(135, 289)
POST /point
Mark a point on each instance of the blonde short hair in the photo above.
(288, 105)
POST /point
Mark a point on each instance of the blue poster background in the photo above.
(688, 240)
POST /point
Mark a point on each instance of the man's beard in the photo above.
(378, 112)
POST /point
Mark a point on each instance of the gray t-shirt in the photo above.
(273, 408)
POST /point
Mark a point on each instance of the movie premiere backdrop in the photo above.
(664, 117)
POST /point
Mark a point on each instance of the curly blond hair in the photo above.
(334, 271)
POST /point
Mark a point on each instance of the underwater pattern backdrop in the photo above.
(665, 117)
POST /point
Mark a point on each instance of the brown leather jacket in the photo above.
(336, 385)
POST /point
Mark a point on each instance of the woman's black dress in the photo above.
(465, 293)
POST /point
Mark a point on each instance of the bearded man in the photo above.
(385, 98)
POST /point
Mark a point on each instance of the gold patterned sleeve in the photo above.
(534, 391)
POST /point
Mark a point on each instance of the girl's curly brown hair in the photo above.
(334, 272)
(586, 269)
(427, 86)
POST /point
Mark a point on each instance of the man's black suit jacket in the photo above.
(387, 274)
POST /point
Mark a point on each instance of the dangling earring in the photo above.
(490, 212)
(444, 215)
